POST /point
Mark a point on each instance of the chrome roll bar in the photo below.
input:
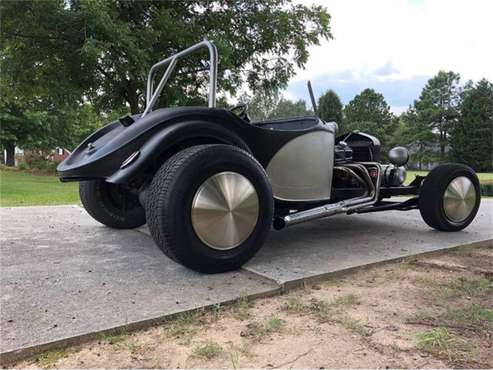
(153, 95)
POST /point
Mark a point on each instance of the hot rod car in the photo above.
(210, 183)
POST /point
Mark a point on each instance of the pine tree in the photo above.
(438, 106)
(330, 108)
(471, 139)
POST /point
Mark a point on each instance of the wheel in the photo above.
(449, 197)
(111, 204)
(210, 207)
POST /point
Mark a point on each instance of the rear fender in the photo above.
(171, 139)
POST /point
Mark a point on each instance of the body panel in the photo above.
(156, 135)
(302, 169)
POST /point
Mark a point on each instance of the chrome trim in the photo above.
(225, 210)
(302, 169)
(355, 175)
(152, 96)
(459, 199)
(130, 159)
(344, 206)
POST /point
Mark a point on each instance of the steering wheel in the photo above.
(241, 110)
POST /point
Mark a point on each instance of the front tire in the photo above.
(210, 207)
(449, 197)
(111, 204)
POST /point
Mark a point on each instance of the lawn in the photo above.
(19, 188)
(484, 177)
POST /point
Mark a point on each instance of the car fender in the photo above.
(168, 140)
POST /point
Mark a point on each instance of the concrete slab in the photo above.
(314, 249)
(63, 275)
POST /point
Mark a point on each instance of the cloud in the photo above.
(386, 70)
(397, 92)
(394, 46)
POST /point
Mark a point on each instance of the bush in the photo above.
(36, 162)
(44, 165)
(23, 166)
(487, 190)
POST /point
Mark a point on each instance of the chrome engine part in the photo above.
(344, 206)
(393, 175)
(398, 156)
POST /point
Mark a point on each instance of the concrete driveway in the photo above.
(64, 277)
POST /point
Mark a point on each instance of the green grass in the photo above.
(207, 350)
(50, 358)
(439, 340)
(18, 188)
(259, 331)
(484, 177)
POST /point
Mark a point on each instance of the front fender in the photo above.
(164, 143)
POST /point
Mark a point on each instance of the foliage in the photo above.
(74, 60)
(207, 350)
(271, 106)
(370, 113)
(438, 339)
(438, 106)
(261, 105)
(486, 190)
(472, 137)
(418, 137)
(286, 108)
(330, 108)
(41, 122)
(102, 50)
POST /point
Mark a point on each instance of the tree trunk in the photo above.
(443, 137)
(10, 158)
(132, 99)
(134, 106)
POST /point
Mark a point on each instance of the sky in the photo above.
(395, 46)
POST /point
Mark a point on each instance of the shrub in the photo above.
(487, 190)
(23, 166)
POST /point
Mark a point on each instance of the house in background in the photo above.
(59, 154)
(55, 155)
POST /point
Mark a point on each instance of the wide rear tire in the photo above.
(449, 197)
(111, 204)
(210, 207)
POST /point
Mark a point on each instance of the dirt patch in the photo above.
(415, 313)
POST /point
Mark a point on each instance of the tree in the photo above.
(471, 138)
(417, 136)
(370, 113)
(438, 106)
(262, 104)
(330, 108)
(17, 124)
(286, 108)
(273, 106)
(105, 48)
(64, 54)
(43, 122)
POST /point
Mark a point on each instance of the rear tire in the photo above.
(111, 204)
(181, 214)
(449, 197)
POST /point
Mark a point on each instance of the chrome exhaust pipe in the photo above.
(330, 209)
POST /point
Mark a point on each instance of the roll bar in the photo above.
(152, 95)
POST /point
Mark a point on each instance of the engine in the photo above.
(357, 147)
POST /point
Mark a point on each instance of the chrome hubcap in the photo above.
(459, 199)
(225, 210)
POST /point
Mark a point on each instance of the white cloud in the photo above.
(390, 40)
